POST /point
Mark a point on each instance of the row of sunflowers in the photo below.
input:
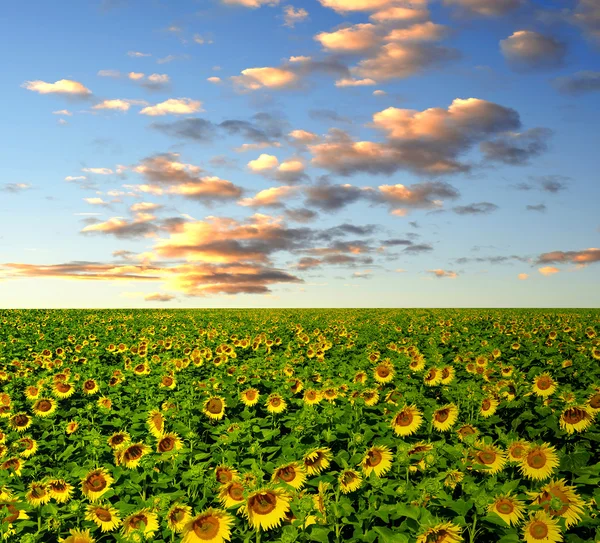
(395, 426)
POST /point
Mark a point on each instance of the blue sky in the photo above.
(329, 153)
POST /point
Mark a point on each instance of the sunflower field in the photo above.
(362, 425)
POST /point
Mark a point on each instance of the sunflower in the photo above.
(445, 417)
(447, 375)
(71, 427)
(275, 403)
(517, 450)
(541, 528)
(293, 474)
(250, 397)
(539, 462)
(317, 460)
(441, 533)
(60, 490)
(576, 419)
(143, 520)
(360, 377)
(407, 421)
(453, 477)
(168, 381)
(63, 390)
(44, 407)
(131, 455)
(311, 397)
(225, 474)
(212, 525)
(378, 459)
(508, 508)
(32, 392)
(467, 431)
(266, 508)
(490, 456)
(232, 494)
(349, 480)
(384, 372)
(370, 397)
(13, 464)
(20, 422)
(417, 364)
(27, 446)
(593, 401)
(178, 516)
(433, 377)
(214, 408)
(118, 439)
(156, 423)
(571, 505)
(38, 494)
(330, 394)
(96, 483)
(90, 387)
(169, 443)
(104, 516)
(78, 536)
(104, 402)
(544, 385)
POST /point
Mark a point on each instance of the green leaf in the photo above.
(319, 534)
(389, 536)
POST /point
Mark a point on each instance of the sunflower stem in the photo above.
(257, 535)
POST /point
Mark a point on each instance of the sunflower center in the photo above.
(166, 444)
(311, 394)
(544, 383)
(133, 453)
(136, 521)
(96, 482)
(13, 512)
(236, 491)
(538, 530)
(438, 536)
(518, 451)
(287, 474)
(139, 368)
(89, 385)
(486, 404)
(275, 402)
(374, 458)
(177, 515)
(536, 459)
(167, 381)
(103, 514)
(263, 503)
(44, 406)
(442, 415)
(118, 439)
(595, 401)
(348, 477)
(58, 486)
(214, 405)
(250, 395)
(430, 375)
(404, 418)
(467, 431)
(38, 492)
(224, 475)
(383, 372)
(505, 506)
(574, 415)
(21, 420)
(557, 493)
(314, 461)
(486, 457)
(63, 387)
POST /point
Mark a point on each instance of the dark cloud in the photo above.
(585, 256)
(517, 149)
(418, 249)
(158, 297)
(492, 259)
(332, 197)
(486, 8)
(302, 215)
(198, 130)
(578, 83)
(526, 50)
(538, 207)
(552, 183)
(14, 188)
(395, 242)
(480, 208)
(327, 115)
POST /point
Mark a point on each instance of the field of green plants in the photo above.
(377, 425)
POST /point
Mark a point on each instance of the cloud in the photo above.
(118, 104)
(440, 274)
(379, 92)
(213, 79)
(354, 39)
(65, 87)
(481, 208)
(15, 188)
(96, 201)
(402, 14)
(548, 270)
(199, 130)
(290, 171)
(587, 16)
(293, 16)
(266, 77)
(159, 297)
(401, 60)
(251, 3)
(517, 148)
(585, 256)
(420, 32)
(552, 183)
(171, 58)
(75, 178)
(302, 215)
(303, 136)
(526, 50)
(578, 83)
(137, 54)
(345, 6)
(141, 226)
(327, 115)
(328, 197)
(487, 8)
(523, 276)
(539, 207)
(62, 112)
(174, 106)
(425, 195)
(145, 206)
(155, 82)
(354, 82)
(272, 197)
(97, 171)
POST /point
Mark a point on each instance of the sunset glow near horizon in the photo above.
(330, 153)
